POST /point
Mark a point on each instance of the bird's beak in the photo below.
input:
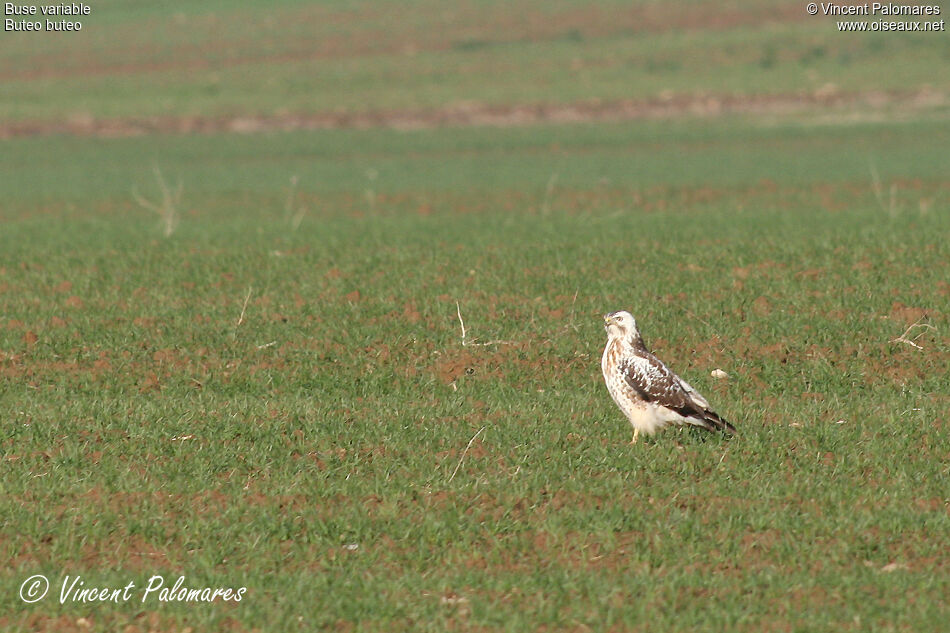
(608, 320)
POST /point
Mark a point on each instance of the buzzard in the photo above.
(648, 393)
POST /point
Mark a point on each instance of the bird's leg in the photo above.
(636, 434)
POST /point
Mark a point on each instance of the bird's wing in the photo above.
(655, 382)
(695, 395)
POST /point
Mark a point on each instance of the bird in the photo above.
(646, 390)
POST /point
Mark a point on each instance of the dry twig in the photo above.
(903, 337)
(294, 216)
(474, 342)
(571, 318)
(458, 310)
(465, 452)
(244, 307)
(167, 210)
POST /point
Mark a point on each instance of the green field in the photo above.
(277, 395)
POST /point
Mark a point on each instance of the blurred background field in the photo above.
(268, 387)
(280, 59)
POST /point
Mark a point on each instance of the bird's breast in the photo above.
(610, 359)
(610, 366)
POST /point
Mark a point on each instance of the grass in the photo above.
(276, 394)
(133, 60)
(246, 404)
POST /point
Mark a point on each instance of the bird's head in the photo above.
(620, 325)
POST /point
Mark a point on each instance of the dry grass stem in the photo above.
(465, 452)
(474, 342)
(912, 342)
(244, 308)
(571, 323)
(167, 209)
(294, 215)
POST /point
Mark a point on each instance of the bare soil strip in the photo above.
(476, 114)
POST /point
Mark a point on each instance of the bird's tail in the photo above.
(714, 422)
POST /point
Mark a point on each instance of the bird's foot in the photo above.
(636, 435)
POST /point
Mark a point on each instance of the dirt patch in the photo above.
(480, 114)
(762, 306)
(908, 314)
(451, 367)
